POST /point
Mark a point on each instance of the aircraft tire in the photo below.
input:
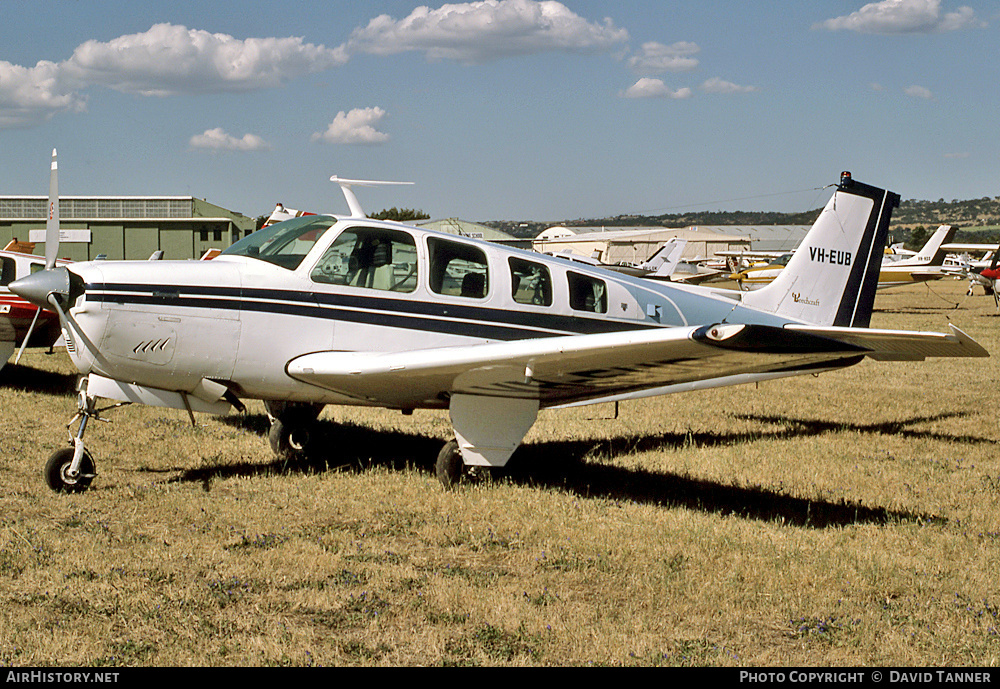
(287, 442)
(58, 465)
(450, 467)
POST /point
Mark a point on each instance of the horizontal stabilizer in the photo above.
(901, 345)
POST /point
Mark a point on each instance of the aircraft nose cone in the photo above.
(37, 287)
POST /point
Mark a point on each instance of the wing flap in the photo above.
(569, 369)
(900, 345)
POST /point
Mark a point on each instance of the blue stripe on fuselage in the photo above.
(455, 319)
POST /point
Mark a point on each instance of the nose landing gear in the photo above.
(72, 469)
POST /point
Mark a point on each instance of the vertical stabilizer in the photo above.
(665, 260)
(832, 277)
(932, 254)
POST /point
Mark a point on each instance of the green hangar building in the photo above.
(124, 227)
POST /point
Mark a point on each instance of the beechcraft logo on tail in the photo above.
(839, 258)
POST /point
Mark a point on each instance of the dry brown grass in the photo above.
(848, 519)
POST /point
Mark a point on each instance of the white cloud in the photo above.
(903, 17)
(218, 140)
(169, 59)
(354, 127)
(655, 58)
(486, 30)
(29, 95)
(717, 85)
(164, 60)
(918, 92)
(655, 88)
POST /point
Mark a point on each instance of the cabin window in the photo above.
(284, 244)
(370, 257)
(8, 271)
(530, 282)
(587, 293)
(458, 270)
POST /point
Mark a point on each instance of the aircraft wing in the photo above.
(564, 370)
(970, 247)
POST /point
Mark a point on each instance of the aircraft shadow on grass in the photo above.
(28, 379)
(575, 466)
(799, 427)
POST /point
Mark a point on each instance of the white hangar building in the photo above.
(638, 244)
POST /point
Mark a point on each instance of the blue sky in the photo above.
(502, 109)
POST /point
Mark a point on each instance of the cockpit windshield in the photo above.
(284, 244)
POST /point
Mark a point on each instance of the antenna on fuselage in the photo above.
(352, 200)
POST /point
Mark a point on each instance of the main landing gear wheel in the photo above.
(59, 477)
(288, 442)
(291, 429)
(450, 467)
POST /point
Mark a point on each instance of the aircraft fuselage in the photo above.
(239, 319)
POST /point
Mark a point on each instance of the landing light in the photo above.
(724, 332)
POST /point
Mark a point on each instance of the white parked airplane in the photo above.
(927, 264)
(660, 266)
(984, 271)
(897, 269)
(347, 310)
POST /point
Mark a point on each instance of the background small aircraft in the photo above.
(30, 325)
(927, 264)
(982, 271)
(660, 266)
(897, 269)
(761, 273)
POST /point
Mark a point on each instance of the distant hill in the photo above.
(971, 213)
(978, 220)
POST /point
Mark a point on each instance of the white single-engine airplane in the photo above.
(983, 272)
(347, 310)
(925, 265)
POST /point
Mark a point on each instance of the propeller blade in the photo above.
(27, 337)
(51, 245)
(52, 224)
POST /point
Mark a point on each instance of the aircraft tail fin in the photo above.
(932, 254)
(832, 277)
(664, 262)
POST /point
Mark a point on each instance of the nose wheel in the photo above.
(71, 469)
(63, 478)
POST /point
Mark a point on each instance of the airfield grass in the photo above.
(845, 519)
